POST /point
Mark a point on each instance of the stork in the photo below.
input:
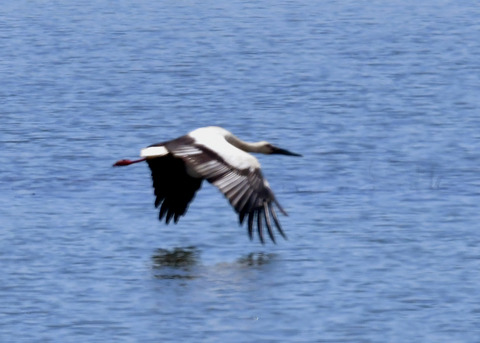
(214, 154)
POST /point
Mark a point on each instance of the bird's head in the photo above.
(268, 148)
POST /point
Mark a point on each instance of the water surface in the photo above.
(380, 98)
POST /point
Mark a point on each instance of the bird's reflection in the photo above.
(256, 259)
(184, 263)
(176, 263)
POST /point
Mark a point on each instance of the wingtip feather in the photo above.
(260, 228)
(268, 222)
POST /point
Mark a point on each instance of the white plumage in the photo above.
(214, 154)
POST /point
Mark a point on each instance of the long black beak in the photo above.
(284, 152)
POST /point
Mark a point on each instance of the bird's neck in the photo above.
(245, 146)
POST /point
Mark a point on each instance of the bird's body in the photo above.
(214, 154)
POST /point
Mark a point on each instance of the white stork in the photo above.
(179, 166)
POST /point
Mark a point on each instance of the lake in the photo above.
(381, 98)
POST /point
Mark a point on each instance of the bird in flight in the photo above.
(212, 153)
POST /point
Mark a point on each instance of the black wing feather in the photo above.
(174, 188)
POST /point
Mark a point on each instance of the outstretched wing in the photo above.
(174, 188)
(246, 189)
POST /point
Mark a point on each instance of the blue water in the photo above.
(381, 98)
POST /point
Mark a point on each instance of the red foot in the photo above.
(122, 163)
